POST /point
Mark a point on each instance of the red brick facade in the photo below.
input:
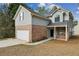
(39, 32)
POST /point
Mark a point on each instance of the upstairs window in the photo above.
(21, 16)
(57, 18)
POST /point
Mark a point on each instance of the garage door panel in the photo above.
(22, 35)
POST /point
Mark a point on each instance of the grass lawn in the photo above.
(50, 48)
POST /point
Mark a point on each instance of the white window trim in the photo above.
(59, 18)
(21, 16)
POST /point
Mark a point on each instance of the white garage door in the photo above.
(22, 35)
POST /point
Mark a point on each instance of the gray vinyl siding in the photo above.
(39, 21)
(60, 13)
(56, 14)
(26, 20)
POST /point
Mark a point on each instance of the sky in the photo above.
(73, 7)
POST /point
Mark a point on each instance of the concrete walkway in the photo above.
(39, 42)
(11, 42)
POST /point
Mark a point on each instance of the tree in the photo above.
(41, 10)
(44, 11)
(54, 8)
(6, 23)
(13, 8)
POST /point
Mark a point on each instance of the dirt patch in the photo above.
(50, 48)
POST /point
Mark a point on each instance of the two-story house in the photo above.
(61, 26)
(30, 26)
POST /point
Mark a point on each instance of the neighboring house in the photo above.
(31, 27)
(76, 30)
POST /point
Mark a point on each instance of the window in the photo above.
(57, 19)
(21, 16)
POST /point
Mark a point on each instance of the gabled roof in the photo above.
(56, 11)
(17, 12)
(32, 13)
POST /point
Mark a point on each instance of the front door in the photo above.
(51, 32)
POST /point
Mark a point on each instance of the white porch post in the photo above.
(54, 32)
(66, 34)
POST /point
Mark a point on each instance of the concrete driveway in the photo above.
(10, 42)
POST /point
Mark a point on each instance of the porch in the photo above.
(58, 32)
